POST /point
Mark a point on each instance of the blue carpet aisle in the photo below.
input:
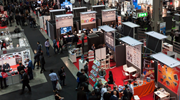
(54, 62)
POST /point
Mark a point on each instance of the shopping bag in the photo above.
(4, 75)
(58, 86)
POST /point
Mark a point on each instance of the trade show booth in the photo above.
(109, 17)
(43, 22)
(56, 12)
(129, 29)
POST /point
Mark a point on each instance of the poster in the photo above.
(44, 21)
(88, 18)
(169, 77)
(66, 5)
(163, 28)
(41, 22)
(133, 55)
(64, 21)
(109, 40)
(108, 16)
(119, 20)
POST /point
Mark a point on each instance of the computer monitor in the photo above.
(94, 29)
(65, 29)
(84, 29)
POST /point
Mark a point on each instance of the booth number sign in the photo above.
(142, 14)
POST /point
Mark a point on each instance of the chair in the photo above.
(125, 67)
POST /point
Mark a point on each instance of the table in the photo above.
(145, 89)
(162, 94)
(72, 57)
(131, 70)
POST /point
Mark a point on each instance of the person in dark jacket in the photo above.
(81, 95)
(30, 68)
(107, 95)
(126, 93)
(75, 40)
(42, 62)
(19, 68)
(79, 73)
(39, 46)
(17, 17)
(55, 6)
(86, 88)
(114, 97)
(62, 76)
(115, 89)
(36, 58)
(25, 82)
(110, 79)
(93, 96)
(2, 79)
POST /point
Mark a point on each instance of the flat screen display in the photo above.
(39, 2)
(65, 29)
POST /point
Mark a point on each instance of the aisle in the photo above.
(54, 62)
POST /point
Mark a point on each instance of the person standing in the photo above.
(42, 62)
(2, 79)
(93, 96)
(131, 89)
(107, 95)
(114, 97)
(25, 82)
(54, 79)
(62, 76)
(61, 45)
(56, 50)
(39, 46)
(81, 95)
(30, 68)
(115, 89)
(36, 58)
(110, 79)
(17, 17)
(19, 68)
(47, 45)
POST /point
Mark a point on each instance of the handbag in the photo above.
(4, 75)
(58, 86)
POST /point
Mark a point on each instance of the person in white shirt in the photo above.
(54, 79)
(47, 45)
(104, 90)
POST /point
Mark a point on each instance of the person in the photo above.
(42, 62)
(98, 91)
(126, 93)
(81, 95)
(110, 79)
(10, 18)
(86, 87)
(97, 83)
(61, 45)
(79, 73)
(103, 90)
(117, 92)
(82, 78)
(25, 82)
(3, 44)
(17, 30)
(17, 17)
(39, 46)
(47, 44)
(107, 95)
(93, 47)
(2, 79)
(172, 36)
(6, 66)
(56, 50)
(58, 97)
(131, 89)
(86, 68)
(62, 76)
(93, 96)
(30, 68)
(102, 73)
(114, 97)
(75, 39)
(19, 68)
(36, 58)
(54, 79)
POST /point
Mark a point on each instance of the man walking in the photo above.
(56, 50)
(47, 44)
(42, 61)
(62, 76)
(30, 68)
(25, 82)
(54, 79)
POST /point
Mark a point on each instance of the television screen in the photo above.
(65, 29)
(94, 29)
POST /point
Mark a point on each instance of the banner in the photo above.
(66, 5)
(109, 40)
(64, 21)
(89, 18)
(133, 55)
(163, 28)
(119, 20)
(108, 16)
(44, 21)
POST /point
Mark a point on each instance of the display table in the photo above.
(81, 64)
(145, 89)
(72, 57)
(162, 94)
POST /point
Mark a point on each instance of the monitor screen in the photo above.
(65, 29)
(84, 29)
(39, 2)
(94, 29)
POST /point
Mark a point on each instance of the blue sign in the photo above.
(66, 5)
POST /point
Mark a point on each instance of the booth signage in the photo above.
(64, 21)
(88, 18)
(163, 28)
(142, 14)
(66, 5)
(108, 16)
(109, 40)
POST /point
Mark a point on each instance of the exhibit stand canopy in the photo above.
(56, 12)
(108, 15)
(133, 51)
(129, 29)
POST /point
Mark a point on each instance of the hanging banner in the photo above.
(64, 20)
(119, 20)
(108, 16)
(163, 28)
(88, 18)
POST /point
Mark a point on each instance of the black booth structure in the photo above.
(109, 16)
(51, 29)
(129, 29)
(132, 49)
(64, 23)
(88, 20)
(169, 22)
(76, 19)
(98, 9)
(56, 12)
(154, 41)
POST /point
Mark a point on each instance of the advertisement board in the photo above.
(88, 18)
(142, 14)
(169, 77)
(66, 5)
(45, 18)
(109, 40)
(108, 16)
(64, 21)
(163, 28)
(133, 55)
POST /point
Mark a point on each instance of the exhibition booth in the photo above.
(109, 17)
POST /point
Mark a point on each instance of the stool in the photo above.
(136, 97)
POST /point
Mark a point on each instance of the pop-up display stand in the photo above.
(64, 23)
(56, 12)
(109, 16)
(133, 52)
(88, 20)
(129, 29)
(168, 72)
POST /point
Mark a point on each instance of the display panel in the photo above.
(108, 16)
(45, 18)
(88, 18)
(66, 29)
(133, 55)
(66, 5)
(163, 28)
(169, 77)
(65, 21)
(109, 40)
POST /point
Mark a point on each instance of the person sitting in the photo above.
(17, 30)
(102, 73)
(110, 79)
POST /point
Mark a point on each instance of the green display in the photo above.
(142, 14)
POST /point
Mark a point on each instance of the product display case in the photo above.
(94, 72)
